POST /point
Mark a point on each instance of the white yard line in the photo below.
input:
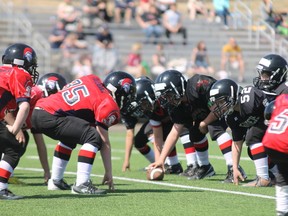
(166, 184)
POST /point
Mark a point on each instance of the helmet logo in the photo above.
(126, 84)
(50, 84)
(28, 54)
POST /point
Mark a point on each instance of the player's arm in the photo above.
(158, 140)
(128, 149)
(42, 152)
(10, 119)
(236, 154)
(170, 142)
(106, 157)
(21, 116)
(203, 126)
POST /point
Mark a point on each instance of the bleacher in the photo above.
(42, 18)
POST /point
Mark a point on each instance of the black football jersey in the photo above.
(282, 89)
(182, 115)
(197, 92)
(252, 102)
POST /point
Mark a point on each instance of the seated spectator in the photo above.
(68, 13)
(150, 23)
(200, 61)
(134, 61)
(82, 66)
(221, 9)
(173, 24)
(163, 5)
(232, 59)
(126, 7)
(143, 6)
(159, 61)
(197, 6)
(282, 28)
(266, 10)
(57, 34)
(104, 53)
(94, 13)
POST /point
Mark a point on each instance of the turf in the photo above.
(135, 195)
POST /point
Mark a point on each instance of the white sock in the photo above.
(282, 198)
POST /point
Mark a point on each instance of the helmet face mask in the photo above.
(272, 70)
(23, 56)
(172, 85)
(223, 97)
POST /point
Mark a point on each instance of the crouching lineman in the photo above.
(81, 113)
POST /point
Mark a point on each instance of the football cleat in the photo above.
(259, 182)
(6, 194)
(173, 169)
(190, 171)
(203, 172)
(87, 188)
(58, 185)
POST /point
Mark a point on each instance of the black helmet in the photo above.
(275, 67)
(224, 95)
(51, 83)
(23, 56)
(171, 84)
(145, 94)
(122, 87)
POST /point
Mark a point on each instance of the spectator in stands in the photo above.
(104, 53)
(221, 9)
(197, 6)
(159, 61)
(150, 23)
(67, 12)
(163, 5)
(231, 58)
(127, 7)
(134, 61)
(57, 34)
(94, 13)
(82, 66)
(143, 6)
(266, 10)
(173, 24)
(200, 61)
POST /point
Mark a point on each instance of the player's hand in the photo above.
(125, 167)
(156, 164)
(108, 180)
(20, 137)
(47, 176)
(203, 127)
(237, 176)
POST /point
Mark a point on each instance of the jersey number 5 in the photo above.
(280, 123)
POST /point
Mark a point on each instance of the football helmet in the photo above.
(223, 97)
(51, 83)
(122, 87)
(145, 95)
(23, 56)
(273, 66)
(170, 85)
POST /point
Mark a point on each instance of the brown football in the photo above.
(155, 174)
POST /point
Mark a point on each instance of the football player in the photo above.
(190, 107)
(81, 113)
(145, 107)
(48, 84)
(243, 111)
(276, 146)
(18, 75)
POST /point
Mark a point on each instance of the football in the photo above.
(155, 174)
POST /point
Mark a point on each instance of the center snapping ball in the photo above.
(155, 174)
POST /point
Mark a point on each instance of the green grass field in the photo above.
(135, 195)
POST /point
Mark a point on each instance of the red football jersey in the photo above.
(15, 84)
(276, 136)
(85, 98)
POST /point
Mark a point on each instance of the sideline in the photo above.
(165, 184)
